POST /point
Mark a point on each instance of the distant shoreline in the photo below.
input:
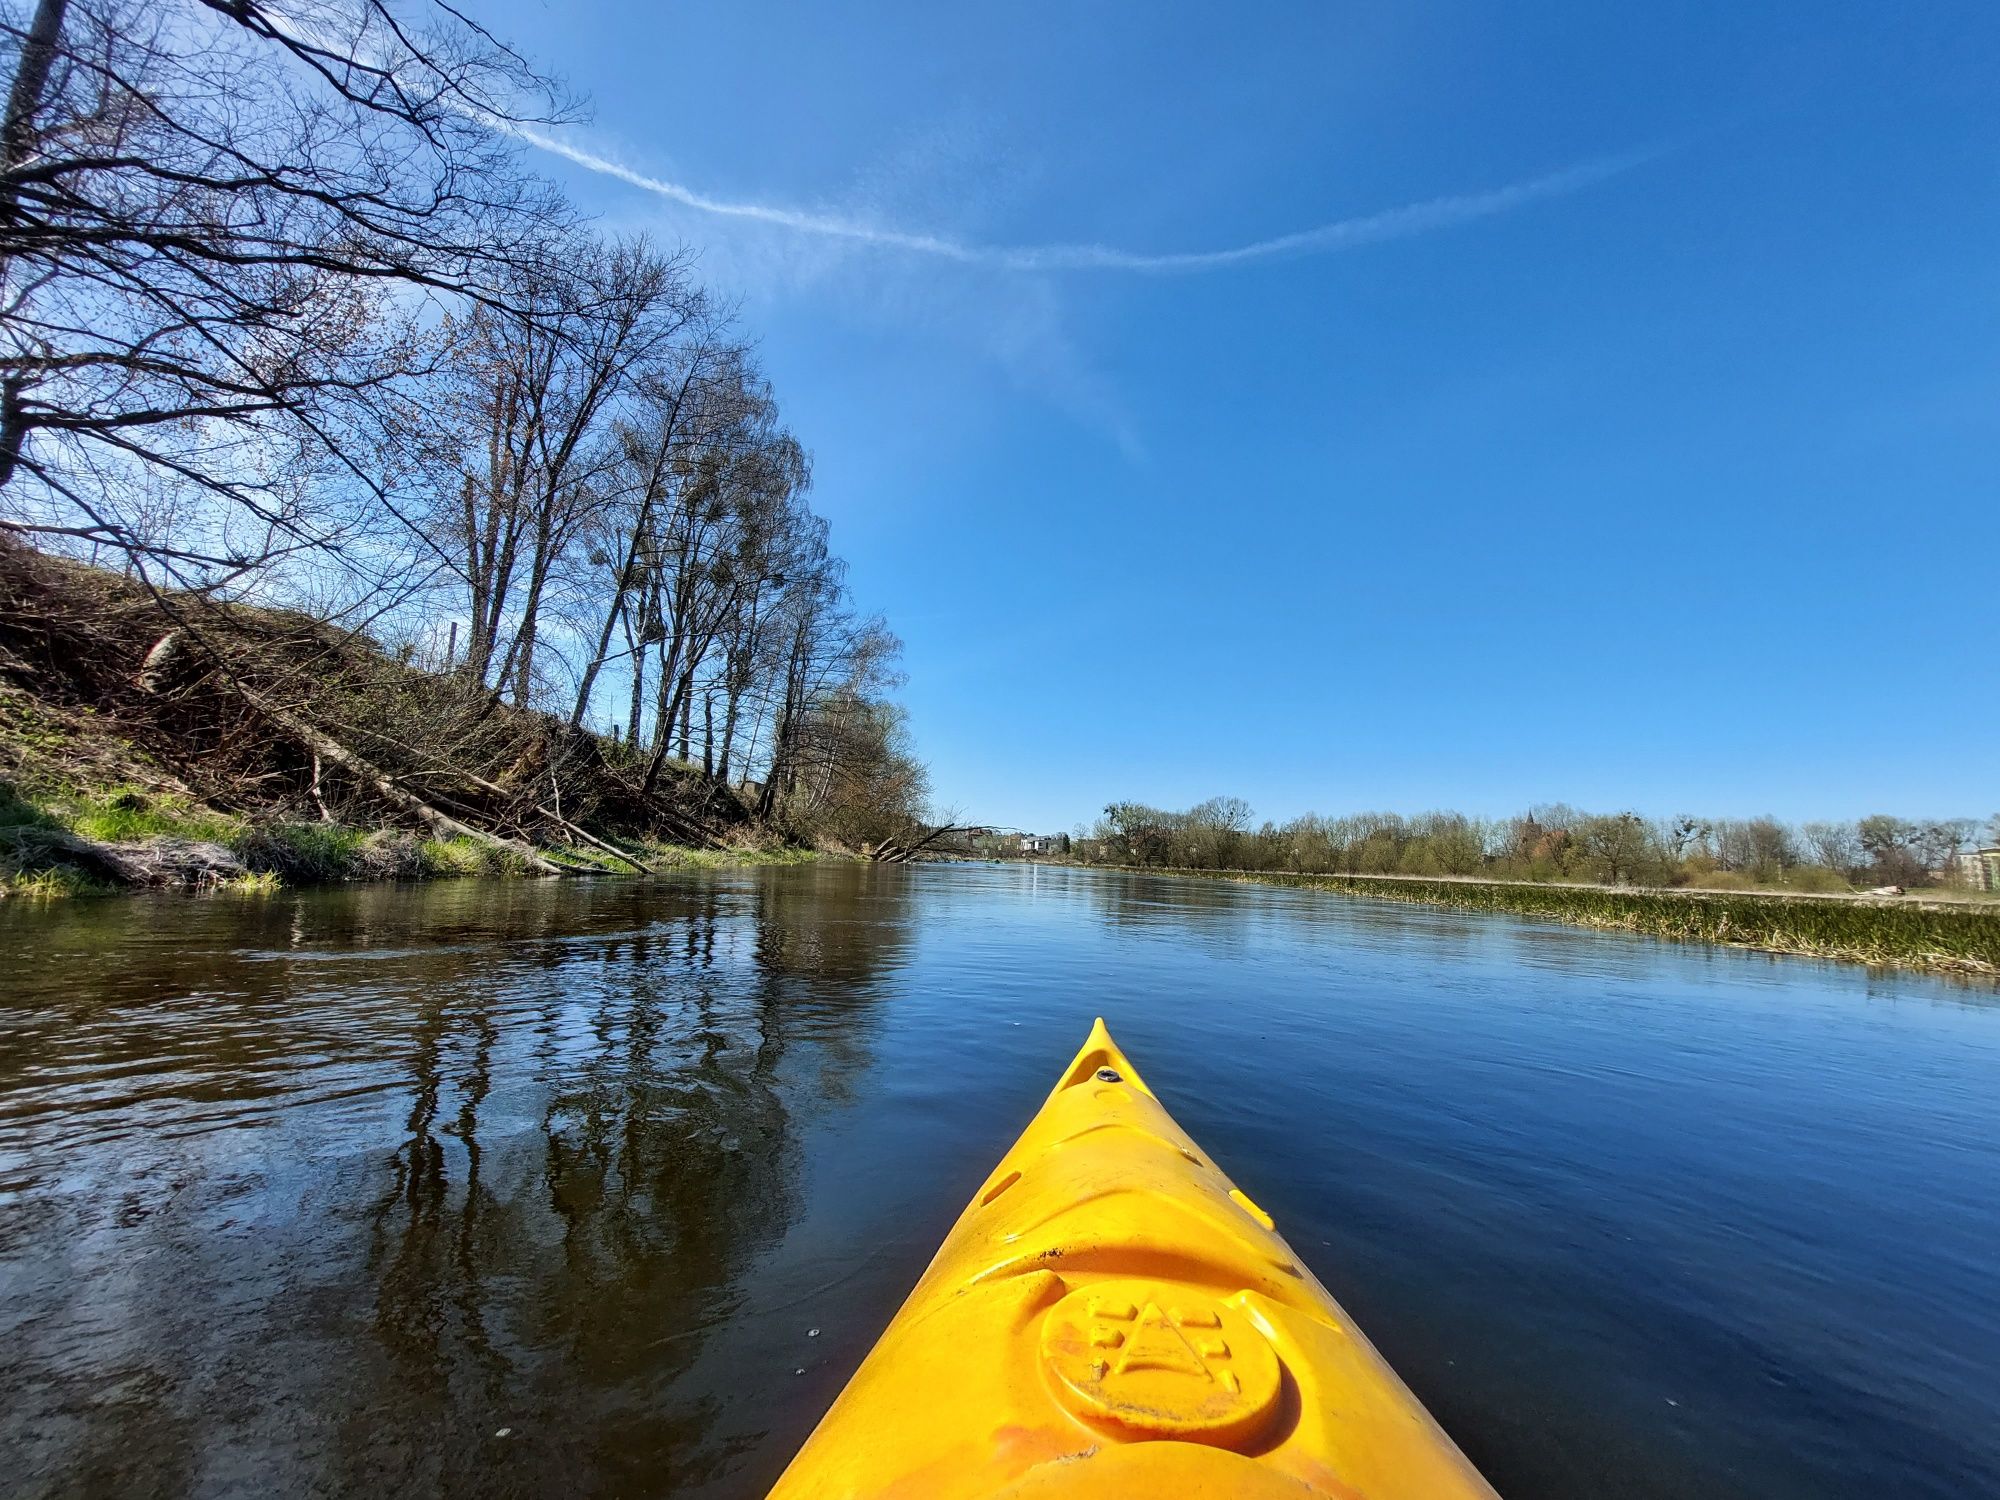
(1922, 896)
(1933, 934)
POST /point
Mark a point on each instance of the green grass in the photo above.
(1816, 881)
(17, 811)
(685, 857)
(1905, 932)
(51, 882)
(457, 858)
(278, 854)
(126, 815)
(1807, 879)
(330, 853)
(301, 853)
(117, 815)
(586, 860)
(50, 885)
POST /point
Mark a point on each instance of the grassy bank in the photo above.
(224, 746)
(1904, 932)
(74, 843)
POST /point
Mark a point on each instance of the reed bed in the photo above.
(1903, 932)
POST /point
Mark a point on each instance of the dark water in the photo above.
(320, 1194)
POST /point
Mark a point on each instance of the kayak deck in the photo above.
(1112, 1316)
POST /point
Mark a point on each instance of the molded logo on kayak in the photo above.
(1146, 1360)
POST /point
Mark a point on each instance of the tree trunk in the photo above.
(24, 101)
(493, 546)
(673, 677)
(636, 653)
(732, 701)
(784, 732)
(521, 654)
(663, 726)
(654, 481)
(781, 736)
(384, 785)
(17, 144)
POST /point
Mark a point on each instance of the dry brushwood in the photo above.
(271, 714)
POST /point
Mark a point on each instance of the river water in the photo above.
(514, 1188)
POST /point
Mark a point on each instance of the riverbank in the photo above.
(130, 838)
(1901, 932)
(84, 812)
(154, 740)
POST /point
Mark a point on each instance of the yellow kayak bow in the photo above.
(1111, 1316)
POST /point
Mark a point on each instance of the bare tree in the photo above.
(527, 436)
(1682, 834)
(861, 781)
(1835, 846)
(654, 441)
(828, 650)
(1619, 848)
(282, 317)
(724, 538)
(213, 217)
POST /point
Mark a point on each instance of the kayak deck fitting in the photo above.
(1112, 1316)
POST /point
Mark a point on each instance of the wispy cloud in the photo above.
(1342, 234)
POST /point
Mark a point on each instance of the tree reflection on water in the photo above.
(562, 1297)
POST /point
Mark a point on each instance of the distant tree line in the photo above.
(285, 319)
(1547, 843)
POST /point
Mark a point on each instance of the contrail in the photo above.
(787, 218)
(1342, 234)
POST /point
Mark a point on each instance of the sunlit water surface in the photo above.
(326, 1193)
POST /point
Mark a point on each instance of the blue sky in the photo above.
(1631, 437)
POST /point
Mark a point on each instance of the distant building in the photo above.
(1978, 868)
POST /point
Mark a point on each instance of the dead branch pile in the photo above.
(155, 862)
(270, 712)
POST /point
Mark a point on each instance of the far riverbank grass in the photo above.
(1902, 932)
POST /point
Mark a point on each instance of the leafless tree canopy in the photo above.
(221, 228)
(1550, 842)
(284, 318)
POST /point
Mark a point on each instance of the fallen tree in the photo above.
(385, 786)
(155, 862)
(916, 842)
(271, 715)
